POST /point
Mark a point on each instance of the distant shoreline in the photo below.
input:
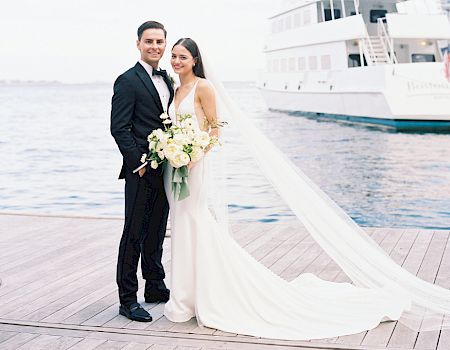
(55, 83)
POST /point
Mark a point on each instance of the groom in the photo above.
(141, 95)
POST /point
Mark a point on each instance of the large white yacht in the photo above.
(370, 61)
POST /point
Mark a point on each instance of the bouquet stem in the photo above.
(180, 187)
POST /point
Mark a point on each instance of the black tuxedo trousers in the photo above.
(146, 212)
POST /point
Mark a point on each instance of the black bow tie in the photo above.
(160, 72)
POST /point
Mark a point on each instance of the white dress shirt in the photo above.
(160, 85)
(163, 92)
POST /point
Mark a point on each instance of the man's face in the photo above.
(152, 46)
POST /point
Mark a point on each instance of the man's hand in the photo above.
(142, 171)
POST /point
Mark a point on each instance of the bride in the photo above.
(219, 283)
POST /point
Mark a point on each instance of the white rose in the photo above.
(143, 158)
(180, 160)
(164, 137)
(180, 139)
(196, 153)
(202, 139)
(153, 164)
(152, 145)
(158, 133)
(164, 115)
(171, 150)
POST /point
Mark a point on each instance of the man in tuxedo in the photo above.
(141, 95)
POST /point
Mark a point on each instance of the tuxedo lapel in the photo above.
(170, 87)
(143, 75)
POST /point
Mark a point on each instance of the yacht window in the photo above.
(375, 14)
(283, 64)
(276, 66)
(337, 14)
(306, 17)
(280, 25)
(325, 62)
(312, 62)
(301, 63)
(291, 64)
(422, 57)
(297, 20)
(287, 22)
(354, 60)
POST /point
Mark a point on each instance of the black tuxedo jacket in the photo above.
(135, 113)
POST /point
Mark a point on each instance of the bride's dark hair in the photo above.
(192, 47)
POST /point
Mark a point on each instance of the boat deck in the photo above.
(58, 286)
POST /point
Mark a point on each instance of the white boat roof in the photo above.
(290, 5)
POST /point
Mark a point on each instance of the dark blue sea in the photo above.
(58, 157)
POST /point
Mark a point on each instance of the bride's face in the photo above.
(182, 60)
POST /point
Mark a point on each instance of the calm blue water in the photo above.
(58, 157)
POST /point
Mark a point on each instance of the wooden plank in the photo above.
(103, 317)
(16, 341)
(88, 344)
(429, 271)
(78, 304)
(277, 237)
(52, 280)
(162, 347)
(280, 251)
(162, 324)
(136, 346)
(298, 249)
(184, 327)
(92, 309)
(262, 238)
(381, 335)
(53, 301)
(111, 345)
(403, 337)
(49, 342)
(50, 244)
(5, 335)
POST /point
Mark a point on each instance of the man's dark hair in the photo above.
(150, 25)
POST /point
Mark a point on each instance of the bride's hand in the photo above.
(191, 165)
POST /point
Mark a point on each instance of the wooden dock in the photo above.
(58, 286)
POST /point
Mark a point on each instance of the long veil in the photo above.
(361, 258)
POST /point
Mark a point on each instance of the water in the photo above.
(58, 157)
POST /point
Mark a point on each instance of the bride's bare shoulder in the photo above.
(204, 88)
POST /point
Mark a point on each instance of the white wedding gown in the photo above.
(217, 281)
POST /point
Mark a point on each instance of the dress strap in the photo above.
(192, 92)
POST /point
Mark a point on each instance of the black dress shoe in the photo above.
(135, 312)
(156, 291)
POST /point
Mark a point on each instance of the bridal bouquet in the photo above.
(178, 145)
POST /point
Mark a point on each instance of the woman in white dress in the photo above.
(217, 281)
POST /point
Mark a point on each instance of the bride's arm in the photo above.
(207, 101)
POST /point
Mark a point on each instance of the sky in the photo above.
(78, 41)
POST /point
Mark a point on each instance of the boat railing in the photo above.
(367, 49)
(386, 40)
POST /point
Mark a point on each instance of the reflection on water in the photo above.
(58, 157)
